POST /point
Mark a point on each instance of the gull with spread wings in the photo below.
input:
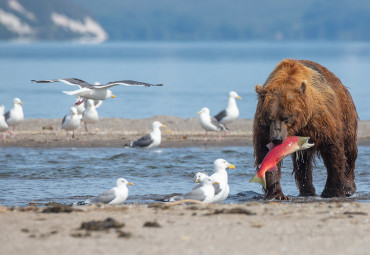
(95, 92)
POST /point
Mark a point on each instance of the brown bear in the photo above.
(303, 98)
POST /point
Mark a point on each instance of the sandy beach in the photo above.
(252, 228)
(113, 132)
(323, 227)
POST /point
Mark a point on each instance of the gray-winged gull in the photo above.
(96, 92)
(71, 121)
(209, 123)
(15, 115)
(204, 192)
(231, 112)
(151, 140)
(220, 176)
(115, 196)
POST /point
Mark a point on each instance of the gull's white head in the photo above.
(199, 177)
(73, 110)
(221, 164)
(204, 110)
(157, 124)
(110, 94)
(234, 95)
(17, 101)
(123, 182)
(2, 109)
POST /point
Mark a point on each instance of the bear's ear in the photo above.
(303, 87)
(260, 91)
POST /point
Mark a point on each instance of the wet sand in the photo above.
(252, 228)
(113, 132)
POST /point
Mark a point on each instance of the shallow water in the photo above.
(68, 175)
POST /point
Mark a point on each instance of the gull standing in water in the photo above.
(209, 123)
(96, 92)
(15, 115)
(114, 196)
(3, 125)
(71, 121)
(220, 176)
(151, 140)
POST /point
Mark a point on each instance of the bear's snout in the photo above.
(278, 132)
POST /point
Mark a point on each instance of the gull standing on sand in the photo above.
(220, 176)
(3, 125)
(209, 123)
(114, 196)
(96, 92)
(204, 192)
(15, 115)
(231, 112)
(90, 115)
(151, 140)
(71, 121)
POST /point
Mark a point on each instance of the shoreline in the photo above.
(253, 228)
(116, 133)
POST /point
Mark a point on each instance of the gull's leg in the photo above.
(4, 136)
(205, 137)
(219, 136)
(86, 126)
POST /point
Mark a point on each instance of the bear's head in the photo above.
(284, 103)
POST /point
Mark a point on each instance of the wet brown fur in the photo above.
(308, 100)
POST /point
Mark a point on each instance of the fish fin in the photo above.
(272, 169)
(270, 146)
(259, 180)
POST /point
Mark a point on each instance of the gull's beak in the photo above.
(198, 112)
(130, 183)
(196, 180)
(113, 96)
(239, 98)
(21, 103)
(163, 126)
(216, 183)
(231, 166)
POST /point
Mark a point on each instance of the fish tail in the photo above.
(260, 180)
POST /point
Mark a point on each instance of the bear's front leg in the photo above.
(335, 161)
(302, 165)
(273, 189)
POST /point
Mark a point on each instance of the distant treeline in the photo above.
(232, 19)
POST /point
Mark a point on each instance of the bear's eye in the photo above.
(285, 119)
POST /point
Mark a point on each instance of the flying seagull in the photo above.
(96, 92)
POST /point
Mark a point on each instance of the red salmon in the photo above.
(277, 153)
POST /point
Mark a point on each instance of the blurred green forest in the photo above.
(232, 19)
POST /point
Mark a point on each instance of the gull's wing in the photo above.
(143, 141)
(7, 115)
(217, 188)
(125, 83)
(69, 81)
(222, 114)
(196, 194)
(217, 124)
(77, 91)
(105, 197)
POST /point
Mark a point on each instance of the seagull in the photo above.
(231, 112)
(209, 123)
(114, 196)
(96, 92)
(15, 115)
(3, 125)
(90, 115)
(204, 193)
(71, 121)
(151, 140)
(220, 176)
